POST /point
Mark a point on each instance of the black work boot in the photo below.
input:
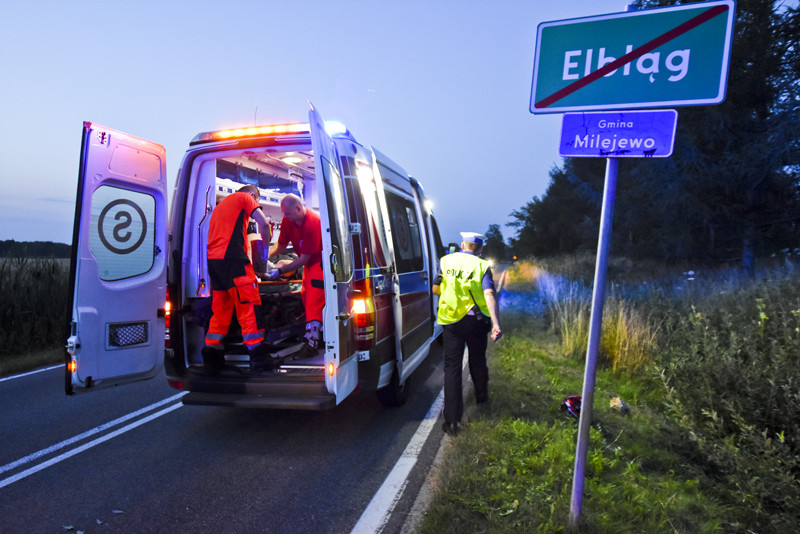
(451, 429)
(260, 360)
(213, 360)
(306, 351)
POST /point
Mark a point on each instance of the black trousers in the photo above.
(472, 333)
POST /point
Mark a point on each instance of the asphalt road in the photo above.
(112, 461)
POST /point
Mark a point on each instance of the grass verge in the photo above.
(511, 468)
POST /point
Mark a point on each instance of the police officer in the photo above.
(468, 311)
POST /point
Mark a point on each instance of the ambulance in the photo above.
(140, 291)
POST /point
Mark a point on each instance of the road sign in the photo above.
(676, 56)
(619, 134)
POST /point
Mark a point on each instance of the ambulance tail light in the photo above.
(331, 369)
(363, 313)
(167, 321)
(176, 384)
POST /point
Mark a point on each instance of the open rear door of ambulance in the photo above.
(341, 362)
(118, 269)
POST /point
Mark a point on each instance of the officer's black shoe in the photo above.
(213, 360)
(451, 429)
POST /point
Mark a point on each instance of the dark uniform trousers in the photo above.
(472, 333)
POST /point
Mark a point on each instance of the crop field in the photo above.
(33, 312)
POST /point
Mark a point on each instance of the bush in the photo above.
(732, 375)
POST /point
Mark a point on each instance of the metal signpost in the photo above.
(676, 56)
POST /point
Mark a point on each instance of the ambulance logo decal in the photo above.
(122, 232)
(122, 226)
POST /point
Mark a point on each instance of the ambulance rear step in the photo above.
(321, 402)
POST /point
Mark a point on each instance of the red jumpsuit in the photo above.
(234, 285)
(307, 239)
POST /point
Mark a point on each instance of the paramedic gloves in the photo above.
(274, 274)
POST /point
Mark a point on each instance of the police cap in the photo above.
(472, 237)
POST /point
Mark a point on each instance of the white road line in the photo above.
(84, 435)
(377, 512)
(35, 469)
(31, 372)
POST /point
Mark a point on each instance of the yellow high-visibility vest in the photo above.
(461, 287)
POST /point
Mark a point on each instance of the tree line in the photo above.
(34, 249)
(730, 190)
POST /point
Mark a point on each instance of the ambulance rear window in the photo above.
(405, 233)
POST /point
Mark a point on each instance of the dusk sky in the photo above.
(442, 87)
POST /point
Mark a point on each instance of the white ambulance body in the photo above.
(381, 250)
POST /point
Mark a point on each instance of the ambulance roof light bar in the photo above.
(332, 127)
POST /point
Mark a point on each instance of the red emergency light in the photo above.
(254, 131)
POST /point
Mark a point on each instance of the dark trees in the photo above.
(730, 190)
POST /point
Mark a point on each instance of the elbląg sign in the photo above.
(675, 56)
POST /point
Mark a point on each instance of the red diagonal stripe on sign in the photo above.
(634, 54)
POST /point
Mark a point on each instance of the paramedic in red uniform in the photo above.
(234, 286)
(301, 227)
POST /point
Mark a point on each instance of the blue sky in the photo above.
(442, 87)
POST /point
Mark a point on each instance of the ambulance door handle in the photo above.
(424, 276)
(343, 317)
(200, 253)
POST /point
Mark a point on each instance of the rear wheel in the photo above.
(394, 394)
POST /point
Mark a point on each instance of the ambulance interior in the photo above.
(276, 171)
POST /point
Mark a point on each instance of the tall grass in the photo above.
(33, 303)
(629, 337)
(627, 333)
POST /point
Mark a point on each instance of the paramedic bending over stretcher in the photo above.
(301, 227)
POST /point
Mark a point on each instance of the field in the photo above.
(33, 312)
(695, 425)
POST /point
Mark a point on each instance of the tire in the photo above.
(394, 394)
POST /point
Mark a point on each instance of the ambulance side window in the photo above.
(437, 239)
(356, 209)
(373, 232)
(405, 233)
(340, 261)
